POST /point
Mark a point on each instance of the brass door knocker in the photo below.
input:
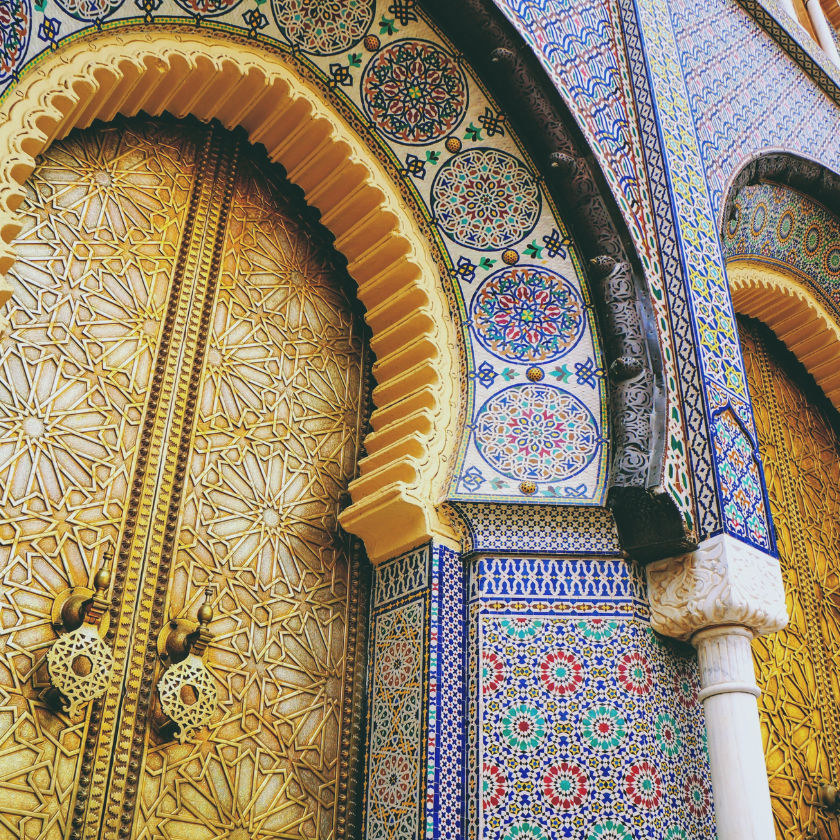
(79, 663)
(828, 801)
(186, 691)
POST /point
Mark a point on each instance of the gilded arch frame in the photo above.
(798, 319)
(774, 292)
(415, 424)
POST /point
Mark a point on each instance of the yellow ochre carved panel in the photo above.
(275, 447)
(416, 423)
(186, 380)
(796, 670)
(102, 222)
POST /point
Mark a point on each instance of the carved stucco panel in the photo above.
(724, 581)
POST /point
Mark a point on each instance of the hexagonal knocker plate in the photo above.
(79, 662)
(79, 665)
(187, 695)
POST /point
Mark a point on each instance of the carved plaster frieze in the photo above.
(724, 581)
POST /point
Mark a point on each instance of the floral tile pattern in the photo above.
(589, 728)
(583, 722)
(776, 224)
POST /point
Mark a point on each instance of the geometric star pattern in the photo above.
(400, 81)
(275, 446)
(588, 727)
(102, 220)
(278, 423)
(797, 666)
(396, 729)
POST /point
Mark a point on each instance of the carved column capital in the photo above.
(724, 581)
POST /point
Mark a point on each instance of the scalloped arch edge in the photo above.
(395, 499)
(795, 315)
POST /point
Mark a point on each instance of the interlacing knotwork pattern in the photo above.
(187, 695)
(102, 220)
(797, 670)
(274, 448)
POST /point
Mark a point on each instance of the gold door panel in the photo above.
(797, 671)
(275, 446)
(103, 222)
(185, 382)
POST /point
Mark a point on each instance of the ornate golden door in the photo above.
(798, 668)
(184, 385)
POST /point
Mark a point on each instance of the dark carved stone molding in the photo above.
(630, 374)
(649, 523)
(791, 170)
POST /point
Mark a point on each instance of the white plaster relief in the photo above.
(724, 581)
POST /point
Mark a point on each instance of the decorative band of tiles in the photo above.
(550, 579)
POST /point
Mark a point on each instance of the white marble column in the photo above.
(823, 29)
(788, 6)
(718, 597)
(728, 693)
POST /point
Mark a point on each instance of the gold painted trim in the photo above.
(799, 320)
(415, 424)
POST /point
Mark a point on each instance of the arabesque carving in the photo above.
(648, 520)
(417, 395)
(631, 377)
(724, 581)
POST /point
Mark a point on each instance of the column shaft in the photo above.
(823, 29)
(736, 755)
(788, 6)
